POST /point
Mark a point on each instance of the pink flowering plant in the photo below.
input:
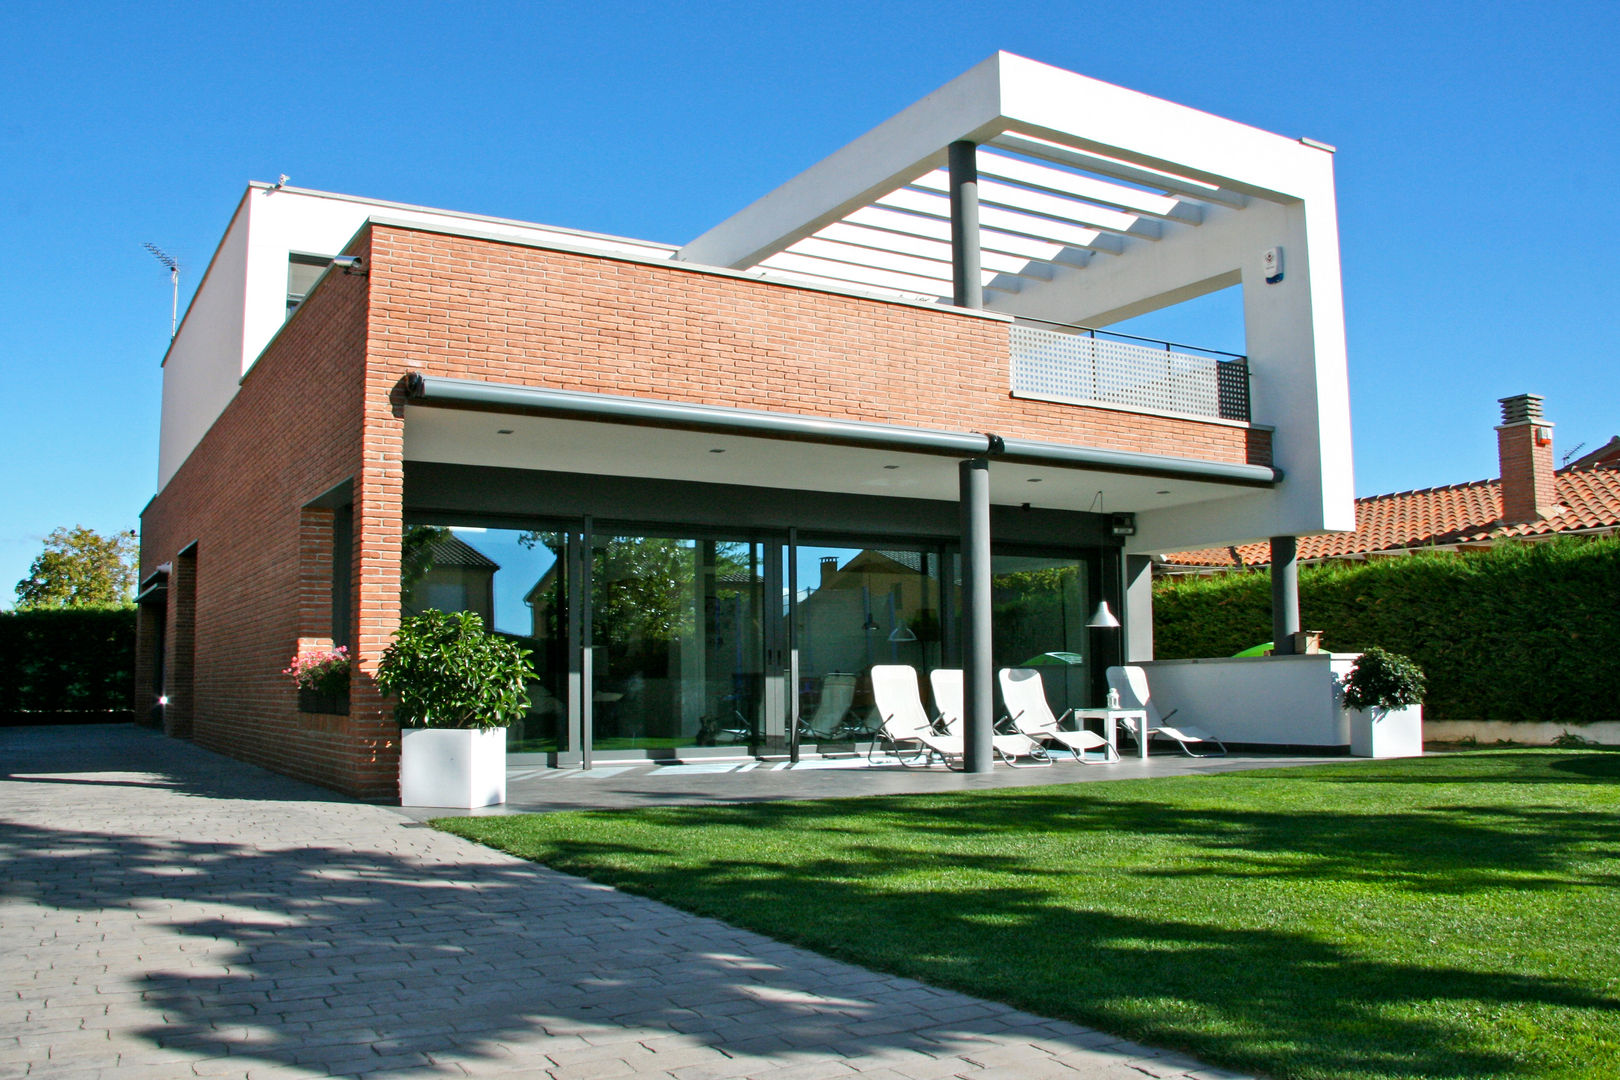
(323, 671)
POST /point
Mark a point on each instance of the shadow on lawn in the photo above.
(1272, 1000)
(973, 898)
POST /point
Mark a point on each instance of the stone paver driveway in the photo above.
(169, 913)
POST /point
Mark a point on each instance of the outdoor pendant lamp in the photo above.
(902, 633)
(1103, 618)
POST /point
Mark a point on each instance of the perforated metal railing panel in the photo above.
(1080, 368)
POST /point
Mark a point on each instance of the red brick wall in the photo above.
(322, 406)
(468, 308)
(292, 433)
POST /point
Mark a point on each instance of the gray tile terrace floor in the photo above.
(168, 912)
(536, 789)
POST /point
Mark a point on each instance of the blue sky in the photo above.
(1477, 152)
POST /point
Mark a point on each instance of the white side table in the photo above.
(1111, 719)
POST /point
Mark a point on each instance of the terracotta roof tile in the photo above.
(1442, 516)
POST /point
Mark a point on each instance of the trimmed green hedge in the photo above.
(63, 663)
(1517, 632)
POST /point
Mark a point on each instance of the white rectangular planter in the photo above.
(452, 767)
(1380, 733)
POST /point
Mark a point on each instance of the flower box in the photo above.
(315, 701)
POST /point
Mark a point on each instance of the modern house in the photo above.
(1531, 500)
(890, 376)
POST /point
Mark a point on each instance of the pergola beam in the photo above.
(1058, 154)
(1039, 228)
(1025, 201)
(1063, 182)
(918, 225)
(903, 244)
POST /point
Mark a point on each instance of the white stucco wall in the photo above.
(1277, 700)
(204, 362)
(242, 302)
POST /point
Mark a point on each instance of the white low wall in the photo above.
(1277, 700)
(1606, 732)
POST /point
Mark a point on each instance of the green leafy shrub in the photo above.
(66, 660)
(449, 672)
(1521, 631)
(1383, 680)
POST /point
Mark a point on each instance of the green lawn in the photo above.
(1454, 916)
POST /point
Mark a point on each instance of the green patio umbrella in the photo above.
(1255, 650)
(1053, 659)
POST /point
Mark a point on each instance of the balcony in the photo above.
(1080, 366)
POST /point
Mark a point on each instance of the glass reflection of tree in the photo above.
(416, 556)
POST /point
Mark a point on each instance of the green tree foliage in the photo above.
(1518, 632)
(81, 568)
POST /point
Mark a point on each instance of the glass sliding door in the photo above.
(857, 607)
(1039, 606)
(515, 579)
(678, 625)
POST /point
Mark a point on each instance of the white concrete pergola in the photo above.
(1042, 194)
(1094, 204)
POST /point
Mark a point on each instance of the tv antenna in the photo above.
(1573, 451)
(174, 279)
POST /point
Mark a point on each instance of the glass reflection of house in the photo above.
(880, 607)
(457, 577)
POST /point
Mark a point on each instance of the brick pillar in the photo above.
(1524, 445)
(180, 646)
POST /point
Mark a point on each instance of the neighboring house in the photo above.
(1531, 500)
(888, 353)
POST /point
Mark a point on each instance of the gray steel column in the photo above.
(964, 167)
(1284, 594)
(978, 693)
(587, 652)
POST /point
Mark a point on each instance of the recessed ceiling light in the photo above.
(1165, 492)
(717, 450)
(1034, 480)
(504, 431)
(891, 466)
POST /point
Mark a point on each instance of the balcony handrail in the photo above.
(1169, 346)
(1065, 362)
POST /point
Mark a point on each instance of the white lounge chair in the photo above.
(827, 724)
(1132, 684)
(1028, 712)
(1010, 746)
(905, 723)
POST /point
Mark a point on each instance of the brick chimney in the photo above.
(1524, 444)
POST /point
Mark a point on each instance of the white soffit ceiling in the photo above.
(468, 437)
